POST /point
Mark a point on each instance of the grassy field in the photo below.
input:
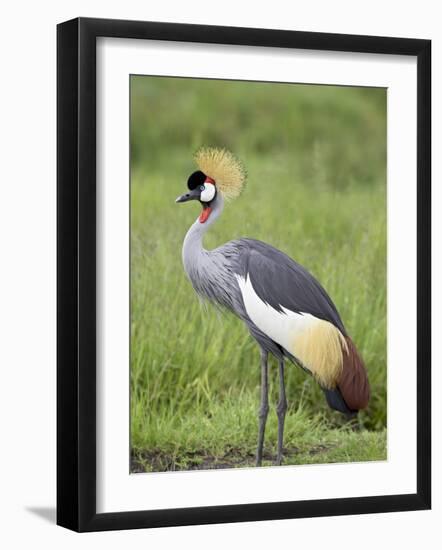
(316, 162)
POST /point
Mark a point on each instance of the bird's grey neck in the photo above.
(193, 246)
(210, 271)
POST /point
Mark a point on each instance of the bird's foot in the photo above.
(278, 461)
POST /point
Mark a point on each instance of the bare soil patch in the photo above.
(157, 460)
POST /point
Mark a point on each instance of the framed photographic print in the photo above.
(243, 274)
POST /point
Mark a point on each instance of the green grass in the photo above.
(316, 162)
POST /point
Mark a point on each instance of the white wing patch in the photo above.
(282, 328)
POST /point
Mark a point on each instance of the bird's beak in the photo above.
(190, 196)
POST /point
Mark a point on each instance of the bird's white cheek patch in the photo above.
(208, 193)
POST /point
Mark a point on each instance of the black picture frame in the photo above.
(77, 288)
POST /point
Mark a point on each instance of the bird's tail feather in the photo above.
(353, 382)
(336, 401)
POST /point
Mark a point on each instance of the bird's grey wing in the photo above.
(281, 282)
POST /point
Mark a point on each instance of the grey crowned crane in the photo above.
(284, 307)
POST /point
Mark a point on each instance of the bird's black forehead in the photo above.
(196, 179)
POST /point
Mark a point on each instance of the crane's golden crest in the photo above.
(223, 167)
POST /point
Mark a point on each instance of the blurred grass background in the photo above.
(316, 162)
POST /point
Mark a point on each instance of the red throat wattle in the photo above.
(204, 216)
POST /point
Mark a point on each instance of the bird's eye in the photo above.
(202, 187)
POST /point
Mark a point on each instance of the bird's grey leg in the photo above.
(264, 408)
(281, 410)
